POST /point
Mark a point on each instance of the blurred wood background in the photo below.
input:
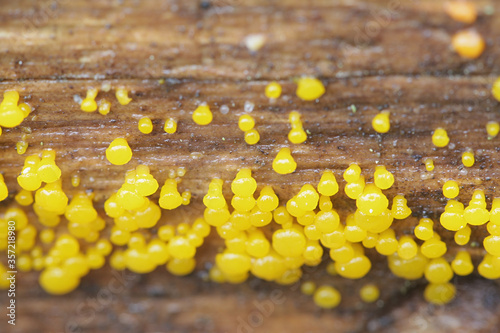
(379, 54)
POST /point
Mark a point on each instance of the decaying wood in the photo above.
(54, 50)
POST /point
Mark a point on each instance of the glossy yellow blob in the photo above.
(355, 189)
(11, 114)
(89, 104)
(411, 269)
(453, 216)
(170, 126)
(462, 264)
(75, 180)
(104, 106)
(47, 236)
(117, 260)
(81, 209)
(202, 115)
(21, 147)
(170, 198)
(52, 198)
(4, 192)
(383, 178)
(308, 288)
(429, 164)
(387, 243)
(25, 108)
(122, 96)
(451, 189)
(58, 281)
(439, 294)
(493, 127)
(462, 236)
(440, 138)
(369, 293)
(352, 173)
(181, 267)
(399, 209)
(24, 198)
(433, 248)
(309, 88)
(468, 43)
(489, 267)
(328, 185)
(381, 122)
(252, 136)
(372, 201)
(47, 170)
(273, 90)
(268, 200)
(407, 248)
(246, 122)
(356, 268)
(492, 245)
(468, 159)
(425, 229)
(145, 125)
(119, 152)
(28, 179)
(495, 91)
(327, 297)
(289, 242)
(284, 162)
(307, 198)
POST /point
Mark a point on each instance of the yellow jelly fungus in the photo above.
(439, 294)
(268, 200)
(122, 96)
(440, 137)
(11, 114)
(328, 185)
(462, 236)
(492, 127)
(4, 192)
(451, 189)
(89, 104)
(495, 90)
(381, 122)
(252, 136)
(425, 229)
(21, 147)
(489, 267)
(327, 297)
(81, 209)
(244, 184)
(453, 216)
(429, 164)
(181, 267)
(289, 242)
(383, 178)
(170, 198)
(284, 162)
(308, 288)
(407, 248)
(52, 198)
(387, 243)
(246, 122)
(476, 213)
(369, 293)
(372, 201)
(104, 106)
(461, 11)
(438, 270)
(25, 108)
(119, 152)
(462, 264)
(433, 248)
(297, 134)
(117, 260)
(352, 173)
(356, 268)
(273, 90)
(170, 126)
(468, 43)
(202, 115)
(492, 245)
(309, 88)
(145, 125)
(75, 180)
(24, 198)
(28, 179)
(307, 198)
(58, 281)
(47, 170)
(47, 236)
(355, 189)
(468, 159)
(399, 209)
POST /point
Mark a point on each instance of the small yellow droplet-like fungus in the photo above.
(119, 152)
(451, 189)
(327, 297)
(369, 293)
(284, 162)
(21, 147)
(495, 91)
(252, 136)
(461, 11)
(429, 164)
(309, 88)
(89, 104)
(202, 115)
(308, 288)
(273, 90)
(440, 138)
(145, 125)
(122, 96)
(170, 126)
(468, 159)
(246, 122)
(352, 173)
(493, 127)
(468, 43)
(381, 122)
(439, 293)
(104, 106)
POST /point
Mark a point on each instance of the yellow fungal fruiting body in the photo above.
(493, 127)
(104, 106)
(246, 122)
(468, 44)
(122, 96)
(145, 125)
(252, 136)
(461, 11)
(170, 126)
(119, 152)
(369, 293)
(495, 91)
(429, 164)
(468, 159)
(440, 138)
(273, 90)
(451, 189)
(381, 122)
(284, 162)
(202, 115)
(327, 297)
(88, 103)
(309, 88)
(297, 134)
(11, 114)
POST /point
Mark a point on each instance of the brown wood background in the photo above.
(51, 51)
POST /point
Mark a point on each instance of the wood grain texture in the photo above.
(51, 51)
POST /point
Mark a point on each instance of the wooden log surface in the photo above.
(51, 51)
